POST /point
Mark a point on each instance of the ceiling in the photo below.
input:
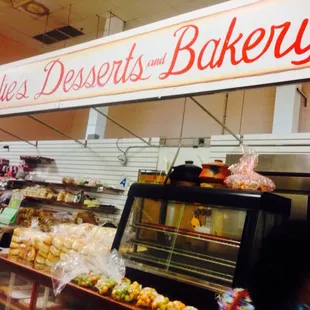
(87, 15)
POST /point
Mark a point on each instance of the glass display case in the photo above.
(203, 237)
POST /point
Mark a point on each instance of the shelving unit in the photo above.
(97, 189)
(67, 205)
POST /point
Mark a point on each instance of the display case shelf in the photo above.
(188, 234)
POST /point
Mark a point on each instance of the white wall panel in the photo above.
(298, 143)
(97, 160)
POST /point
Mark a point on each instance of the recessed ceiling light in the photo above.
(35, 8)
(31, 6)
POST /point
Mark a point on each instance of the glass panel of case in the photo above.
(188, 241)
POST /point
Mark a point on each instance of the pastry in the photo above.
(55, 251)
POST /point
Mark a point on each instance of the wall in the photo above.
(73, 123)
(97, 161)
(249, 111)
(304, 116)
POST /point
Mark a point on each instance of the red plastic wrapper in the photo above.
(244, 177)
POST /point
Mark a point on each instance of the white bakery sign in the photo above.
(231, 45)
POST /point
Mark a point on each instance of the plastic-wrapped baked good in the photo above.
(160, 302)
(87, 280)
(175, 305)
(190, 308)
(126, 291)
(105, 284)
(245, 178)
(146, 297)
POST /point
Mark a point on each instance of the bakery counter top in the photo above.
(79, 293)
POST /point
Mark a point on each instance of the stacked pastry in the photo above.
(44, 250)
(28, 244)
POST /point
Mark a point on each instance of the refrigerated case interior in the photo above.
(199, 236)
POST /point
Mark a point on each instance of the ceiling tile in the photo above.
(5, 4)
(60, 18)
(88, 26)
(31, 28)
(23, 39)
(67, 3)
(88, 8)
(53, 6)
(13, 16)
(81, 39)
(128, 10)
(192, 5)
(150, 19)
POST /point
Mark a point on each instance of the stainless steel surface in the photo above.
(297, 163)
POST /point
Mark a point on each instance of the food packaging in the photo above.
(146, 297)
(107, 268)
(126, 291)
(245, 178)
(105, 285)
(160, 302)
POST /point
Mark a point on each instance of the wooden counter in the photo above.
(71, 289)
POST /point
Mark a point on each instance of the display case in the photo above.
(202, 237)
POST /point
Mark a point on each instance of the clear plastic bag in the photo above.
(245, 178)
(126, 291)
(105, 285)
(146, 297)
(160, 302)
(88, 270)
(64, 272)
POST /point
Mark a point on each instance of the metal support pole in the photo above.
(18, 138)
(218, 121)
(56, 130)
(121, 126)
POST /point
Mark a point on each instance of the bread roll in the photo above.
(65, 250)
(58, 242)
(13, 258)
(15, 239)
(14, 252)
(40, 259)
(31, 254)
(43, 254)
(18, 231)
(14, 245)
(48, 239)
(55, 251)
(77, 245)
(49, 263)
(68, 243)
(44, 248)
(39, 266)
(63, 256)
(52, 258)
